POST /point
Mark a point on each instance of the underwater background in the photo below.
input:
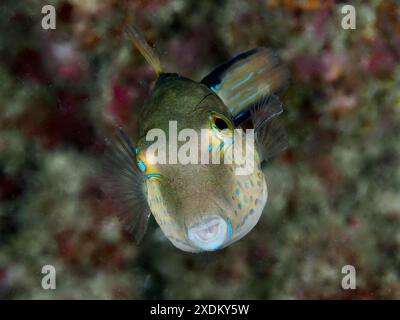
(334, 195)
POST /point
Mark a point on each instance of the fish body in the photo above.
(200, 206)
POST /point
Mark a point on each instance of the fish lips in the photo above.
(209, 235)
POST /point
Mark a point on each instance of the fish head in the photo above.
(199, 206)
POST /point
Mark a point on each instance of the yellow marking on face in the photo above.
(147, 165)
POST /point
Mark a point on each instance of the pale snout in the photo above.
(208, 235)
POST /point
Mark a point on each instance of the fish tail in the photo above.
(148, 52)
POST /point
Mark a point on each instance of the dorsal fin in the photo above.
(245, 79)
(148, 52)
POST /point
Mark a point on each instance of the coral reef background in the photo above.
(334, 194)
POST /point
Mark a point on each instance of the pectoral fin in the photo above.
(269, 133)
(124, 184)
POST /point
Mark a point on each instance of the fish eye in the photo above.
(220, 122)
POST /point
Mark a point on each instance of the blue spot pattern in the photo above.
(230, 228)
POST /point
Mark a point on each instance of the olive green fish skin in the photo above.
(178, 98)
(193, 193)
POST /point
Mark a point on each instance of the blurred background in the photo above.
(334, 194)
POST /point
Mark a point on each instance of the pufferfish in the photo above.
(200, 207)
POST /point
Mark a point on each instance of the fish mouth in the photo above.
(209, 235)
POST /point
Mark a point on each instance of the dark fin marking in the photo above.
(124, 184)
(246, 79)
(215, 77)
